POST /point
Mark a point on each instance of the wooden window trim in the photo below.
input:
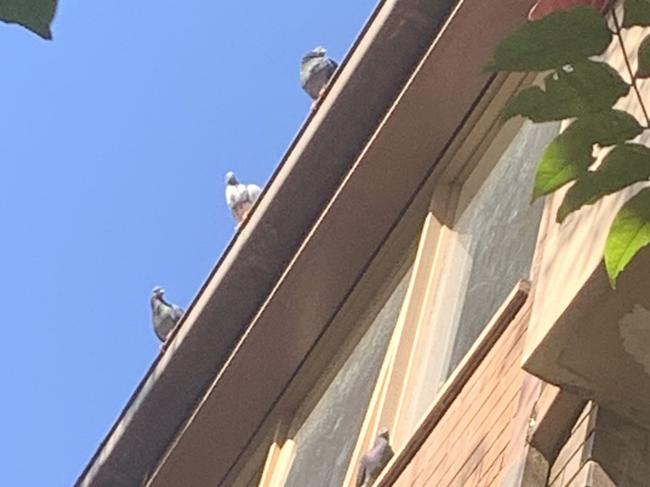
(278, 463)
(373, 417)
(513, 305)
(278, 458)
(256, 465)
(271, 465)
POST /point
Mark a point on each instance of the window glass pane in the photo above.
(329, 434)
(490, 249)
(497, 234)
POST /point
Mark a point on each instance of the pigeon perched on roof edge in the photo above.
(316, 70)
(165, 316)
(375, 459)
(240, 197)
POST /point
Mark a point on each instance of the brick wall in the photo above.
(570, 466)
(468, 445)
(603, 450)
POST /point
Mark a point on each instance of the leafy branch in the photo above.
(564, 43)
(628, 65)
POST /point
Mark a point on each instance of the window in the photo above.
(489, 248)
(326, 439)
(477, 244)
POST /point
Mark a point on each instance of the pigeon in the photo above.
(375, 459)
(165, 315)
(240, 197)
(316, 70)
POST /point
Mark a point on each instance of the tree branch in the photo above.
(629, 67)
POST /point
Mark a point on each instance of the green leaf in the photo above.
(560, 38)
(625, 165)
(636, 12)
(643, 70)
(569, 155)
(609, 127)
(565, 158)
(571, 91)
(629, 233)
(35, 15)
(537, 105)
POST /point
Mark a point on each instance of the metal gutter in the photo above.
(379, 64)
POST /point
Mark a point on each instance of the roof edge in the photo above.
(380, 62)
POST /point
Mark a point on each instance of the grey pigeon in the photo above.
(240, 197)
(315, 72)
(375, 459)
(165, 315)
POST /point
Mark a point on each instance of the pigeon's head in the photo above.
(158, 292)
(383, 433)
(231, 179)
(317, 52)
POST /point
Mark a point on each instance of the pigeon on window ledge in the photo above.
(375, 459)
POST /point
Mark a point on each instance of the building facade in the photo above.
(412, 286)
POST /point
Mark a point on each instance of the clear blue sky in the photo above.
(114, 139)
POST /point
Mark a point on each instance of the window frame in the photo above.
(484, 133)
(279, 458)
